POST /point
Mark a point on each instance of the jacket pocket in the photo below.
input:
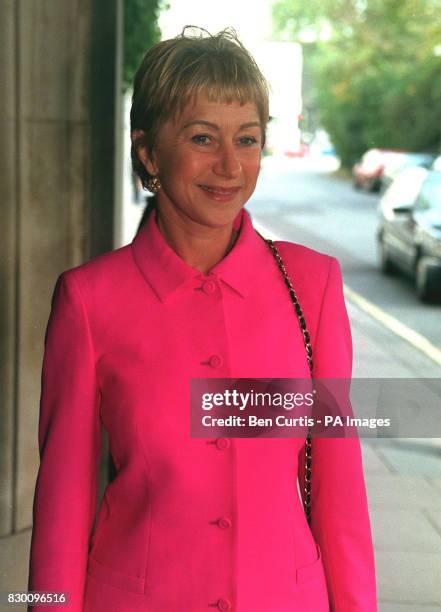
(312, 570)
(112, 577)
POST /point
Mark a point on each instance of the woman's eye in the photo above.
(201, 139)
(248, 140)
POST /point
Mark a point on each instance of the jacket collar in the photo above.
(165, 271)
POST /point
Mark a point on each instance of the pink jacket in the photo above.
(193, 525)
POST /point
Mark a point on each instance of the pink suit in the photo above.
(193, 525)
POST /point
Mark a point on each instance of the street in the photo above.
(301, 203)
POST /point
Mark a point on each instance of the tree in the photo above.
(376, 69)
(141, 31)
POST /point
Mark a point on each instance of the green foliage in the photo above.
(376, 69)
(141, 31)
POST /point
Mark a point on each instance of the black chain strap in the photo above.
(307, 343)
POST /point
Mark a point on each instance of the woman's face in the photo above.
(208, 161)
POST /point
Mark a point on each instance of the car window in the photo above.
(430, 196)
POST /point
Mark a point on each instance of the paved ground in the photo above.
(403, 478)
(300, 200)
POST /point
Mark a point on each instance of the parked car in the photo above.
(378, 167)
(368, 171)
(409, 229)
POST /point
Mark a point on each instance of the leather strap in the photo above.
(308, 348)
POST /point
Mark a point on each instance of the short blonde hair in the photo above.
(176, 70)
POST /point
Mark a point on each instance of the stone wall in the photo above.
(58, 184)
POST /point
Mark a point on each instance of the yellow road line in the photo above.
(411, 336)
(408, 334)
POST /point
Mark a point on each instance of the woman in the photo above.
(194, 524)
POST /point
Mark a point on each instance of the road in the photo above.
(301, 202)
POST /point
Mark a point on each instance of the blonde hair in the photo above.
(175, 71)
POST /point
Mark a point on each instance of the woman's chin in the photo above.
(219, 218)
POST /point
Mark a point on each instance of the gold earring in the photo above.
(153, 184)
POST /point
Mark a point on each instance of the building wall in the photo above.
(58, 113)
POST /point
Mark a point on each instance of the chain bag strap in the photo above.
(307, 343)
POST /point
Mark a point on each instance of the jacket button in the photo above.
(222, 443)
(215, 361)
(224, 605)
(224, 523)
(209, 287)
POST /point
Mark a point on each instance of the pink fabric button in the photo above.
(209, 287)
(224, 605)
(215, 361)
(222, 443)
(224, 523)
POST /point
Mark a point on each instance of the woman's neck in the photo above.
(200, 247)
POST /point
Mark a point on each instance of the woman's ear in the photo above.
(145, 154)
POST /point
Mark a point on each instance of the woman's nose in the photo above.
(227, 163)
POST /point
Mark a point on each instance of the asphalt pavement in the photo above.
(303, 201)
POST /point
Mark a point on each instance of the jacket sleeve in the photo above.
(339, 510)
(69, 439)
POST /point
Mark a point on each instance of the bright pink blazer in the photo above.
(193, 525)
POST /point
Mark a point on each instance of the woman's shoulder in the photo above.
(305, 261)
(317, 281)
(105, 271)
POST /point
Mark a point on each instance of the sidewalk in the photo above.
(403, 479)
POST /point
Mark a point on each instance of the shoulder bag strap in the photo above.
(308, 348)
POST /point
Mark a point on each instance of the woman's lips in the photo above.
(220, 193)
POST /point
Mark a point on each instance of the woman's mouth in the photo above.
(220, 193)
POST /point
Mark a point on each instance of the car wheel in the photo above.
(386, 264)
(428, 282)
